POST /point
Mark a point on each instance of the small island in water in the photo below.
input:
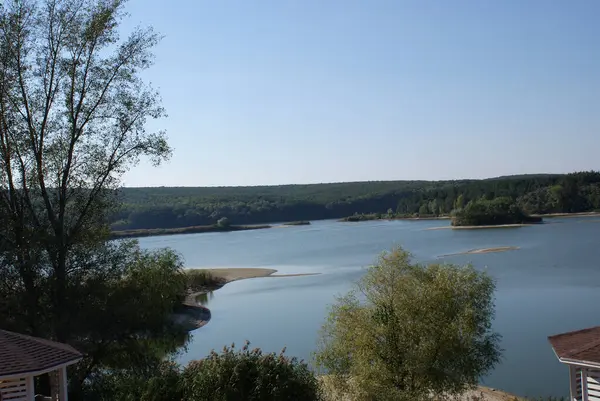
(495, 212)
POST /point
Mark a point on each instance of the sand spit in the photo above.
(483, 250)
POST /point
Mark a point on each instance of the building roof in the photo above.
(578, 346)
(21, 354)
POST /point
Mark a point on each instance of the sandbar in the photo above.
(229, 274)
(193, 316)
(483, 250)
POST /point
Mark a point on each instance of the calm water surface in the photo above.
(550, 285)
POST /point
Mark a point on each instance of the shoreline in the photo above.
(578, 214)
(229, 275)
(194, 315)
(153, 232)
(481, 227)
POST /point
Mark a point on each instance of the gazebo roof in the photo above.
(21, 354)
(578, 346)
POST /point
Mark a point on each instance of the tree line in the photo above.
(171, 207)
(497, 211)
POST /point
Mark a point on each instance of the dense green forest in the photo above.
(484, 212)
(171, 207)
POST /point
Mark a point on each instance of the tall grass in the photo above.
(199, 280)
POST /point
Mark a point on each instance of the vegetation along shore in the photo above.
(181, 230)
(174, 207)
(192, 314)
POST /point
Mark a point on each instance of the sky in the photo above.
(268, 92)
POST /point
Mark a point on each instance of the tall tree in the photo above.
(411, 332)
(73, 110)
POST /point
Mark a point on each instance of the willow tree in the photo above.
(73, 109)
(411, 332)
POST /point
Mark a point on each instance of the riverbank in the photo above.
(582, 214)
(151, 232)
(375, 217)
(193, 315)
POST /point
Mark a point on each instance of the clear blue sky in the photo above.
(306, 91)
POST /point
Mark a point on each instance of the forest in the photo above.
(484, 212)
(172, 207)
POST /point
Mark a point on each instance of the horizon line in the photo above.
(353, 182)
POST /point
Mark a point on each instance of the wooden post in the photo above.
(62, 384)
(30, 386)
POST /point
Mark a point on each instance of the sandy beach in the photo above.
(229, 274)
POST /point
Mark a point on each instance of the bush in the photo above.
(158, 382)
(249, 375)
(202, 279)
(409, 331)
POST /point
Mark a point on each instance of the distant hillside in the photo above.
(171, 207)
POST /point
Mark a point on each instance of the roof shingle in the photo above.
(20, 354)
(581, 345)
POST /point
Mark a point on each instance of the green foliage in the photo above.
(362, 217)
(249, 375)
(198, 279)
(147, 208)
(231, 375)
(155, 382)
(491, 212)
(75, 112)
(407, 331)
(131, 303)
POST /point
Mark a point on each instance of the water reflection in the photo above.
(204, 298)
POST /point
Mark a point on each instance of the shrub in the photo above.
(158, 382)
(202, 279)
(249, 375)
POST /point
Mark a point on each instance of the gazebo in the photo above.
(23, 357)
(580, 351)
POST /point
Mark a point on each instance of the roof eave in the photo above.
(587, 364)
(42, 371)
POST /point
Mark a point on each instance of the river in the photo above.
(548, 286)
